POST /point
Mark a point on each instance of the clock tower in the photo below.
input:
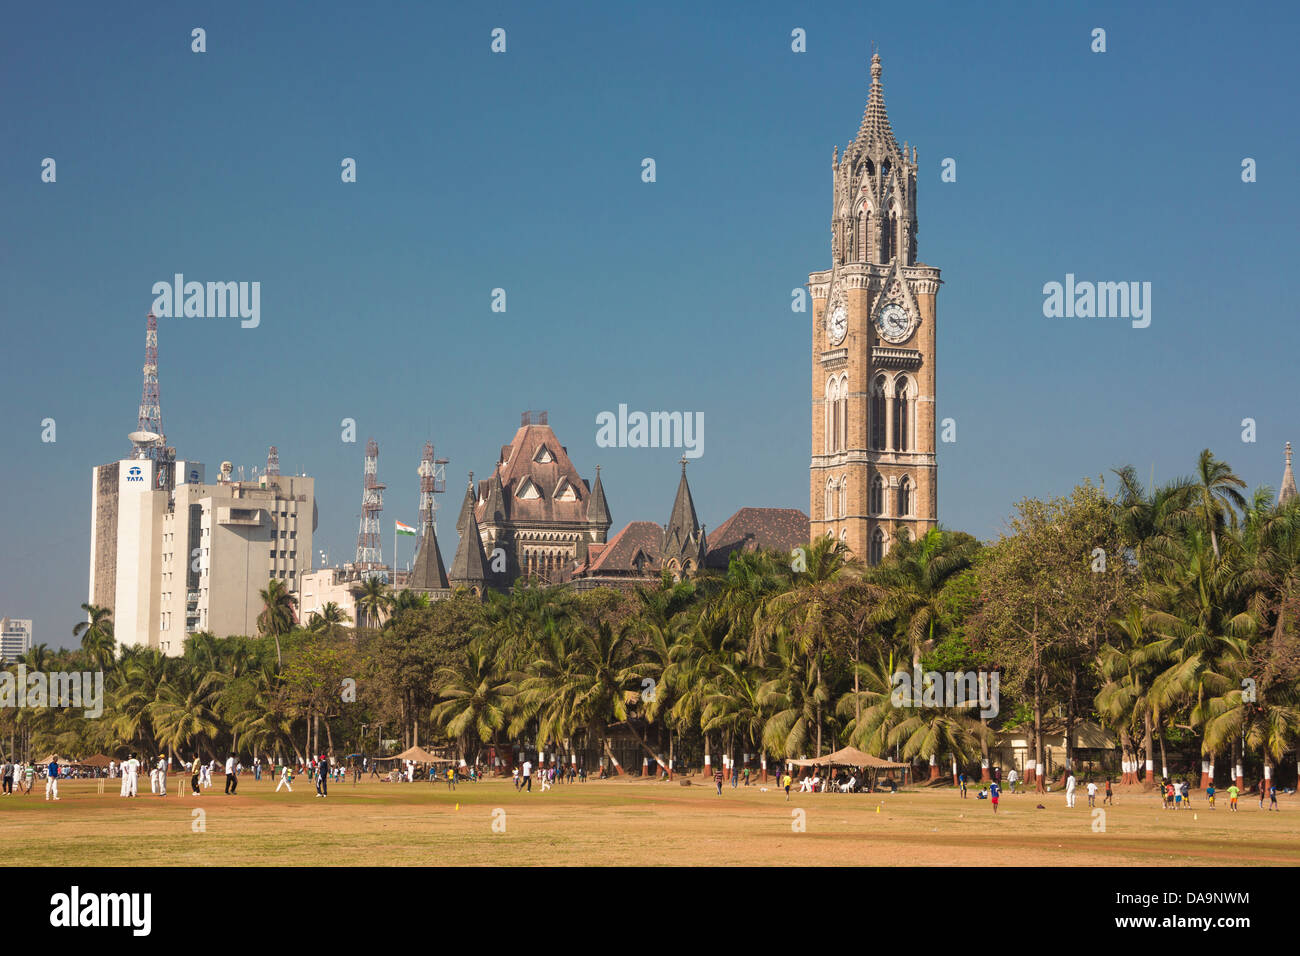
(873, 473)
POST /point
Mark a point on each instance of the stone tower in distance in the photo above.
(873, 475)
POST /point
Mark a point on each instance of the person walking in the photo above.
(451, 778)
(786, 782)
(1092, 793)
(1011, 779)
(286, 779)
(232, 778)
(995, 792)
(717, 778)
(322, 774)
(52, 778)
(1069, 790)
(962, 779)
(1272, 796)
(528, 777)
(7, 782)
(1232, 796)
(1110, 796)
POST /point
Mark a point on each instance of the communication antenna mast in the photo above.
(433, 481)
(369, 552)
(148, 441)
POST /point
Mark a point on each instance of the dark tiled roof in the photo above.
(561, 494)
(637, 543)
(777, 529)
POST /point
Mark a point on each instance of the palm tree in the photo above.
(1215, 496)
(910, 584)
(96, 633)
(279, 613)
(476, 700)
(327, 618)
(373, 602)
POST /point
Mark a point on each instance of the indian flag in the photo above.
(404, 528)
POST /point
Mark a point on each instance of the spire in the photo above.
(428, 572)
(597, 506)
(495, 508)
(467, 506)
(469, 567)
(683, 536)
(1288, 492)
(875, 127)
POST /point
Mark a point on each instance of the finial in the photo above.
(1288, 453)
(683, 465)
(471, 477)
(598, 470)
(876, 68)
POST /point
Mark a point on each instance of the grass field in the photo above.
(627, 822)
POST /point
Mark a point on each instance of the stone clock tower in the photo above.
(873, 473)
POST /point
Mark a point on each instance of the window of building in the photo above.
(902, 420)
(878, 413)
(877, 506)
(844, 496)
(877, 546)
(905, 497)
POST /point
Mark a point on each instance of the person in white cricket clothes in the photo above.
(1069, 790)
(286, 780)
(122, 770)
(162, 775)
(132, 767)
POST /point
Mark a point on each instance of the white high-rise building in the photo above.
(172, 561)
(15, 637)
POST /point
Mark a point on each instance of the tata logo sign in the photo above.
(194, 476)
(133, 474)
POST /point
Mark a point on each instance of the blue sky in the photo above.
(522, 171)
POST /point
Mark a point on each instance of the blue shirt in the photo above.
(993, 791)
(53, 771)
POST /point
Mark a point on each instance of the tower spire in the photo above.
(1288, 491)
(875, 126)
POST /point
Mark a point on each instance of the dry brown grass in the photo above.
(627, 822)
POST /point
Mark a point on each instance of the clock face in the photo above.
(893, 323)
(837, 322)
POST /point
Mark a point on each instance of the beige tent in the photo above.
(850, 757)
(99, 760)
(418, 754)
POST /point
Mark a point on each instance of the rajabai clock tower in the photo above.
(873, 472)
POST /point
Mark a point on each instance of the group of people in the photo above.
(547, 776)
(17, 773)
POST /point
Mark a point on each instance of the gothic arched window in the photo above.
(842, 436)
(877, 495)
(829, 511)
(877, 546)
(844, 496)
(905, 497)
(902, 420)
(878, 413)
(832, 414)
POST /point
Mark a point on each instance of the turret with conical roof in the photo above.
(470, 568)
(1288, 492)
(466, 506)
(428, 572)
(597, 506)
(683, 545)
(873, 218)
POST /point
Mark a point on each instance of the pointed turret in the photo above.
(1288, 492)
(428, 572)
(469, 568)
(494, 509)
(597, 506)
(683, 536)
(875, 133)
(466, 506)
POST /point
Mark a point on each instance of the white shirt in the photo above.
(1069, 782)
(132, 766)
(162, 764)
(230, 765)
(528, 768)
(1092, 789)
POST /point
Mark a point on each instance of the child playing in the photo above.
(994, 793)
